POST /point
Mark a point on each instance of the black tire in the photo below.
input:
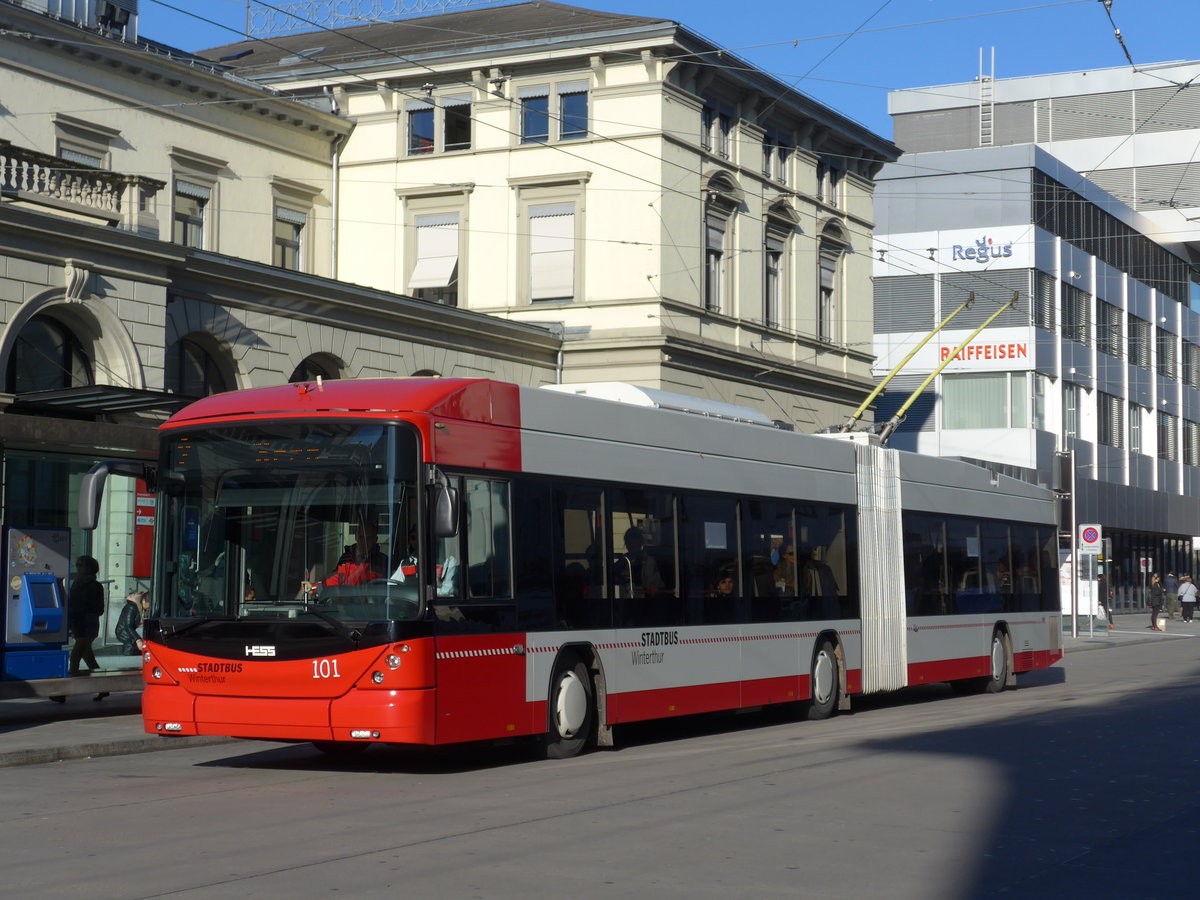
(570, 710)
(998, 680)
(825, 684)
(341, 749)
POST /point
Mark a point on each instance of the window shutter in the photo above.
(552, 251)
(437, 251)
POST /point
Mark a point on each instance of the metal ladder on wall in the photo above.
(986, 100)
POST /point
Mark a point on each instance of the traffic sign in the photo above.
(1091, 539)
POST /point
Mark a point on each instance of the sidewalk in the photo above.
(36, 730)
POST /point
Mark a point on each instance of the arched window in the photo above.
(829, 284)
(781, 222)
(723, 197)
(47, 356)
(313, 367)
(194, 371)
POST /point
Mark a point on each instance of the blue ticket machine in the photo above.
(37, 562)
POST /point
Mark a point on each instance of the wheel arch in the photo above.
(588, 655)
(839, 653)
(1002, 628)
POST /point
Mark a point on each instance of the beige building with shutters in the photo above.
(700, 228)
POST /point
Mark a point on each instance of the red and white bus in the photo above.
(431, 561)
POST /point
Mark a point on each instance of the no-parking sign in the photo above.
(1091, 539)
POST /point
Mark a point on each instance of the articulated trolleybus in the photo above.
(431, 561)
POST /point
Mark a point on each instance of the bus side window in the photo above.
(487, 563)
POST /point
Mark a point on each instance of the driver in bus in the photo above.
(362, 561)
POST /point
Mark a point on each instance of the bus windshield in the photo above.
(290, 519)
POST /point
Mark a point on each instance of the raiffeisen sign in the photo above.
(995, 349)
(980, 350)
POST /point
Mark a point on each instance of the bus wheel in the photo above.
(572, 710)
(823, 687)
(999, 678)
(340, 749)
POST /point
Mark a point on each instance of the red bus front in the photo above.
(298, 558)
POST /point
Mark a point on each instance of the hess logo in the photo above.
(260, 650)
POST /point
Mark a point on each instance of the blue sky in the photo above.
(849, 53)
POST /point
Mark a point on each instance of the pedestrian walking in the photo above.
(85, 605)
(137, 604)
(1171, 590)
(1187, 596)
(1157, 596)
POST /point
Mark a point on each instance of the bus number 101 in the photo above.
(325, 668)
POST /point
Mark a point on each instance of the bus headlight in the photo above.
(377, 677)
(156, 672)
(393, 661)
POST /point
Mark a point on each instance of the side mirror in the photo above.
(443, 507)
(92, 487)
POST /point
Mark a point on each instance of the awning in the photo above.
(98, 398)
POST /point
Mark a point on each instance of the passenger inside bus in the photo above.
(636, 572)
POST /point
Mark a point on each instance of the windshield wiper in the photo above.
(351, 634)
(193, 622)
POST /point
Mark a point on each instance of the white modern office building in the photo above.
(1097, 365)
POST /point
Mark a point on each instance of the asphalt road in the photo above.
(1081, 783)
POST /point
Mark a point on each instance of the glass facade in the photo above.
(41, 490)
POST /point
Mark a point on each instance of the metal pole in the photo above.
(894, 422)
(848, 425)
(1074, 552)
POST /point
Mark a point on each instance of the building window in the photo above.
(1191, 364)
(1108, 328)
(829, 265)
(1110, 415)
(456, 123)
(82, 157)
(552, 251)
(435, 269)
(289, 232)
(313, 368)
(1072, 396)
(535, 114)
(985, 400)
(420, 128)
(82, 142)
(708, 117)
(1043, 310)
(447, 119)
(1168, 358)
(191, 210)
(1041, 385)
(47, 356)
(1077, 221)
(1168, 436)
(1191, 443)
(1139, 342)
(724, 140)
(773, 287)
(776, 158)
(829, 182)
(1135, 428)
(572, 110)
(196, 372)
(1076, 317)
(716, 228)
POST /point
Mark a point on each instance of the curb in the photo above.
(147, 744)
(1099, 643)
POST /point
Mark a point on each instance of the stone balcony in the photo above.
(54, 185)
